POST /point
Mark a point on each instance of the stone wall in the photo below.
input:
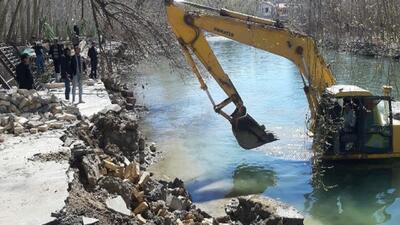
(24, 111)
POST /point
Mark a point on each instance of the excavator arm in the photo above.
(190, 27)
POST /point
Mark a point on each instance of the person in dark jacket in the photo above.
(93, 61)
(76, 30)
(56, 51)
(24, 74)
(78, 67)
(39, 51)
(66, 71)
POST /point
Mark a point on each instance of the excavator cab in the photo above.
(365, 125)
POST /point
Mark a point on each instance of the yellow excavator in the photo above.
(367, 128)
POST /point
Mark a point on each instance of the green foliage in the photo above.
(48, 31)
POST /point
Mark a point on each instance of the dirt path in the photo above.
(33, 168)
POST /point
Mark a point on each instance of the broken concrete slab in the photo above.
(46, 181)
(18, 130)
(113, 108)
(95, 97)
(260, 209)
(91, 166)
(43, 128)
(117, 204)
(89, 221)
(34, 124)
(144, 178)
(56, 125)
(177, 203)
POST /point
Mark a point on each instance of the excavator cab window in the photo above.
(367, 125)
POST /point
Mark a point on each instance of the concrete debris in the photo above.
(153, 147)
(91, 166)
(52, 156)
(117, 204)
(144, 179)
(43, 128)
(18, 130)
(143, 206)
(141, 219)
(56, 125)
(116, 185)
(262, 210)
(137, 196)
(34, 124)
(113, 108)
(89, 221)
(132, 172)
(30, 109)
(177, 202)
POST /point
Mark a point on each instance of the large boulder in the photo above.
(256, 209)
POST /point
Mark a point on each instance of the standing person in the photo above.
(76, 30)
(76, 36)
(75, 40)
(78, 67)
(39, 51)
(24, 74)
(66, 71)
(93, 61)
(56, 50)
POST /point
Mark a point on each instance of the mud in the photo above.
(53, 156)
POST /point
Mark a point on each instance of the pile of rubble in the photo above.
(119, 93)
(109, 156)
(255, 209)
(24, 111)
(110, 184)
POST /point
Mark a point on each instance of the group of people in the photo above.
(67, 67)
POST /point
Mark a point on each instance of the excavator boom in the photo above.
(190, 27)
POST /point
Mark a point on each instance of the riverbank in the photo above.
(364, 48)
(34, 161)
(97, 165)
(151, 200)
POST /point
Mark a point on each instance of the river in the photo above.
(199, 146)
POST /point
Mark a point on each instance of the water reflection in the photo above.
(366, 72)
(246, 180)
(361, 194)
(251, 180)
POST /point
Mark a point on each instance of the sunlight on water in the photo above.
(200, 148)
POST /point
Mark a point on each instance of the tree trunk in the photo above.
(102, 54)
(35, 24)
(28, 20)
(83, 9)
(5, 5)
(13, 21)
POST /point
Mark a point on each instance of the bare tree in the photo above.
(13, 21)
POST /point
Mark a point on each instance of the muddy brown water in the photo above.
(200, 148)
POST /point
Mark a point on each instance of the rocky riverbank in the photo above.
(364, 48)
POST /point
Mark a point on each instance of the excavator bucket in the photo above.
(249, 134)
